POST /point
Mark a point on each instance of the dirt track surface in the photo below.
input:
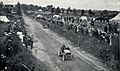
(47, 44)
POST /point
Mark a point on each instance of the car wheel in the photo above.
(58, 53)
(63, 58)
(72, 58)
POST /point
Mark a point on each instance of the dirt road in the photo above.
(48, 44)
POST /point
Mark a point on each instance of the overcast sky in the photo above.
(84, 4)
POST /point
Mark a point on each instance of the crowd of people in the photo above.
(88, 27)
(8, 45)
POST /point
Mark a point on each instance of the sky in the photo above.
(78, 4)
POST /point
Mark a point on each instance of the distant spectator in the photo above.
(92, 23)
(31, 43)
(105, 29)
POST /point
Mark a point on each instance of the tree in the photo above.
(49, 7)
(1, 5)
(53, 10)
(90, 12)
(44, 9)
(68, 10)
(74, 11)
(18, 8)
(62, 10)
(24, 8)
(39, 7)
(31, 7)
(57, 10)
(82, 12)
(105, 12)
(36, 7)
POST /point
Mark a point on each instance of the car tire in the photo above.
(58, 53)
(72, 58)
(63, 58)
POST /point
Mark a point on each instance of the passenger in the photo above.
(67, 48)
(62, 48)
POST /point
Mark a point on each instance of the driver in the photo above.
(62, 48)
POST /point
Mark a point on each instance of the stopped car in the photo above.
(65, 54)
